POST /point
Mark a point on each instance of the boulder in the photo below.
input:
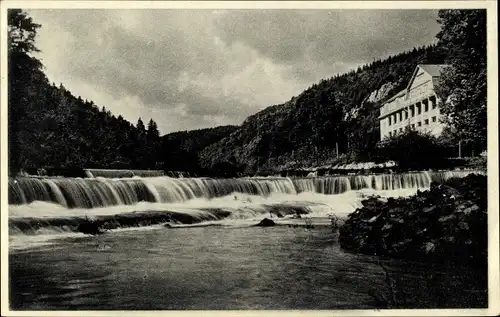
(447, 221)
(266, 222)
(90, 227)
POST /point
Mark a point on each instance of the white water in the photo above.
(102, 192)
(246, 200)
(246, 210)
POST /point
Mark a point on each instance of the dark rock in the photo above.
(266, 222)
(449, 221)
(90, 227)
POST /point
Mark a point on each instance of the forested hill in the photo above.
(306, 130)
(179, 150)
(50, 127)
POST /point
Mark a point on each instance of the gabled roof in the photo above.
(399, 94)
(432, 69)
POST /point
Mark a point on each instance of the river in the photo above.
(212, 257)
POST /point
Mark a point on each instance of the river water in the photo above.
(212, 257)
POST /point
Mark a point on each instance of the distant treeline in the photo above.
(180, 149)
(49, 127)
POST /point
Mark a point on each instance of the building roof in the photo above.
(433, 69)
(399, 94)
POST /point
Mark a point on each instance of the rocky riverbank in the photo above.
(446, 222)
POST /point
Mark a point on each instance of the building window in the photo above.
(395, 118)
(390, 120)
(419, 110)
(426, 121)
(419, 124)
(434, 105)
(406, 114)
(426, 107)
(412, 109)
(434, 119)
(413, 125)
(400, 116)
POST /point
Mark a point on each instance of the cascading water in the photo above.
(54, 205)
(101, 192)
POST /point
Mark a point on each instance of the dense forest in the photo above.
(179, 150)
(334, 120)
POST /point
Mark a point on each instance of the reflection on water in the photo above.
(221, 268)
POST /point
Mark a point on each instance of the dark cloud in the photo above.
(199, 68)
(325, 38)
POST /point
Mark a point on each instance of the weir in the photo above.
(102, 192)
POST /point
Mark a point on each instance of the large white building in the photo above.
(416, 106)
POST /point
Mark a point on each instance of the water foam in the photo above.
(103, 192)
(191, 201)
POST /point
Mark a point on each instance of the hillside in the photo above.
(49, 127)
(179, 150)
(305, 130)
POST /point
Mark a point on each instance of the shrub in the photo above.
(413, 150)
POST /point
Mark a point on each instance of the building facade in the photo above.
(416, 106)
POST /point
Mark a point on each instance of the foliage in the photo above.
(179, 150)
(462, 87)
(413, 150)
(25, 76)
(21, 32)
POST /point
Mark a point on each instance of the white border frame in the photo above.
(493, 198)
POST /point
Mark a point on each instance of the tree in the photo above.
(21, 32)
(140, 126)
(153, 133)
(462, 87)
(153, 145)
(25, 79)
(412, 150)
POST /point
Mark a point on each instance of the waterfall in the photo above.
(103, 192)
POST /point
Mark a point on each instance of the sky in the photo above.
(192, 69)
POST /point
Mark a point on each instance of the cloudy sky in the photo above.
(190, 69)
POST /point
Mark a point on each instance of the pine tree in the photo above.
(140, 126)
(153, 133)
